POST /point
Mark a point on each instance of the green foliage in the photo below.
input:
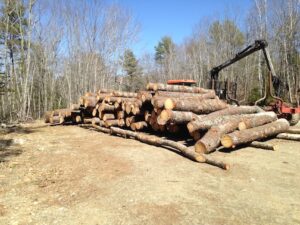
(254, 95)
(226, 33)
(163, 49)
(133, 79)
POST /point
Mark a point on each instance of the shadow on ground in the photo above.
(7, 150)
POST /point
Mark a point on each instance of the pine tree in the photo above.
(133, 72)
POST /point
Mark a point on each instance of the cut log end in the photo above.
(242, 126)
(169, 104)
(227, 141)
(200, 147)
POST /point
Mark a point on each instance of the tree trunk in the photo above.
(245, 136)
(207, 121)
(138, 125)
(176, 88)
(291, 137)
(125, 94)
(153, 140)
(247, 123)
(177, 117)
(200, 107)
(109, 123)
(108, 116)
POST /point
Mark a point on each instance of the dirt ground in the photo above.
(71, 175)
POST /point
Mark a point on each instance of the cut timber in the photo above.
(293, 131)
(87, 120)
(95, 112)
(78, 119)
(102, 129)
(172, 94)
(97, 121)
(177, 88)
(109, 123)
(205, 122)
(247, 123)
(121, 122)
(262, 145)
(171, 103)
(211, 140)
(106, 108)
(89, 101)
(138, 125)
(56, 119)
(106, 91)
(245, 136)
(178, 117)
(200, 106)
(144, 96)
(291, 137)
(47, 116)
(125, 94)
(108, 116)
(153, 140)
(121, 114)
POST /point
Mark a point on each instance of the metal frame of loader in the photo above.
(282, 109)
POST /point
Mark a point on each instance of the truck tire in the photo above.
(294, 119)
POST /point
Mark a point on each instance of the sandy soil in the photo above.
(71, 175)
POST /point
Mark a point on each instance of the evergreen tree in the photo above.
(133, 72)
(164, 48)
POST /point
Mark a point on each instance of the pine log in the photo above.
(293, 130)
(102, 129)
(105, 91)
(200, 107)
(262, 145)
(97, 121)
(121, 114)
(125, 94)
(56, 119)
(245, 136)
(153, 140)
(87, 120)
(101, 97)
(291, 137)
(177, 88)
(47, 116)
(211, 140)
(205, 122)
(121, 122)
(138, 125)
(178, 117)
(171, 103)
(147, 116)
(129, 120)
(89, 101)
(106, 108)
(144, 96)
(158, 102)
(108, 116)
(247, 123)
(95, 112)
(172, 94)
(109, 123)
(78, 119)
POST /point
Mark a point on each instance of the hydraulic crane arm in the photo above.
(258, 45)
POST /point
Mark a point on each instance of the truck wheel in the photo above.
(294, 119)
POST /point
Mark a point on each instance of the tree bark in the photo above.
(177, 117)
(108, 116)
(291, 137)
(200, 107)
(207, 121)
(125, 94)
(245, 136)
(153, 140)
(247, 123)
(176, 88)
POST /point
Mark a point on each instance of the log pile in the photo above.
(189, 113)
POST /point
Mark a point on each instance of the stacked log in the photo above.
(190, 113)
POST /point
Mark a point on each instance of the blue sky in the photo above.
(177, 18)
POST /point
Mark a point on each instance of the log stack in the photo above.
(189, 113)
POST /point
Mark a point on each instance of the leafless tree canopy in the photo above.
(54, 51)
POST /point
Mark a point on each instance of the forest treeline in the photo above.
(54, 51)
